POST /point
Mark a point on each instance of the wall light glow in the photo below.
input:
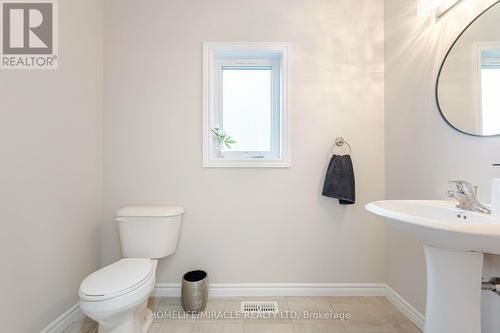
(435, 8)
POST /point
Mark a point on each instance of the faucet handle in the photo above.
(463, 186)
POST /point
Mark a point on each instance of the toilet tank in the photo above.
(149, 231)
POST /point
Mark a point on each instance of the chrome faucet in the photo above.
(465, 194)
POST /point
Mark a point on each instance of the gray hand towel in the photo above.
(339, 180)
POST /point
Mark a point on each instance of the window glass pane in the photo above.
(246, 107)
(490, 83)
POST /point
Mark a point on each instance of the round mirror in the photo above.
(468, 85)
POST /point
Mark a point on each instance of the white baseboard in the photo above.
(279, 289)
(64, 321)
(405, 308)
(270, 290)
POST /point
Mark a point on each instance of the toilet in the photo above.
(116, 296)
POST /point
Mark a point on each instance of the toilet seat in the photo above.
(118, 279)
(103, 306)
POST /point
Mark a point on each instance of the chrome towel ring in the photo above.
(340, 142)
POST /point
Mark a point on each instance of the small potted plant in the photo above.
(222, 140)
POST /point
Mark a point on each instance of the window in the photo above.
(246, 117)
(490, 100)
(488, 80)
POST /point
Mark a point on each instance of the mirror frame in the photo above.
(441, 69)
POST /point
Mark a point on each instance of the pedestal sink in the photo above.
(454, 242)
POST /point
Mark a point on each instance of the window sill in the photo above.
(227, 163)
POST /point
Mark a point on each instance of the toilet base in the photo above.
(148, 320)
(136, 320)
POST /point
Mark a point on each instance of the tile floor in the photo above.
(367, 315)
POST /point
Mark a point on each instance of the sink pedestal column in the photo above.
(453, 291)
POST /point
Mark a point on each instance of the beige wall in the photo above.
(247, 225)
(50, 180)
(422, 151)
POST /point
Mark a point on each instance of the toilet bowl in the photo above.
(116, 296)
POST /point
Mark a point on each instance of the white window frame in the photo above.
(216, 56)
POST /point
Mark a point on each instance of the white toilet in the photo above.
(116, 296)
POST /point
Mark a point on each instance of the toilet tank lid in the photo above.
(145, 211)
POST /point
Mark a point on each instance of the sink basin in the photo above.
(441, 224)
(454, 241)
